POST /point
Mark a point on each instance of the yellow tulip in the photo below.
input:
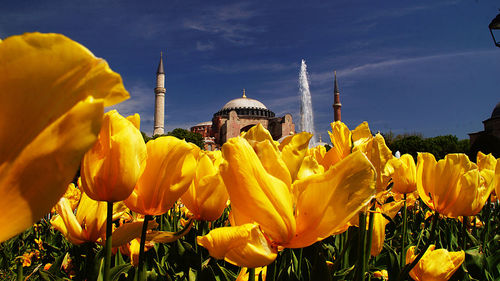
(110, 169)
(380, 222)
(256, 195)
(452, 186)
(435, 265)
(381, 274)
(206, 197)
(341, 138)
(326, 202)
(89, 224)
(259, 271)
(379, 154)
(73, 194)
(496, 180)
(52, 97)
(170, 168)
(345, 142)
(243, 245)
(403, 172)
(292, 215)
(293, 150)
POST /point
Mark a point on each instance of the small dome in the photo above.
(496, 111)
(244, 103)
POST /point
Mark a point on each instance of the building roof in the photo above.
(496, 111)
(244, 103)
(160, 65)
(207, 123)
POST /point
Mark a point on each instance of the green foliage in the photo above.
(182, 134)
(187, 135)
(334, 258)
(413, 143)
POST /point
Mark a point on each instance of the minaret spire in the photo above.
(159, 121)
(336, 99)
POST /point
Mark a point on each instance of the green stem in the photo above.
(299, 266)
(19, 265)
(408, 268)
(361, 246)
(141, 268)
(465, 222)
(251, 274)
(403, 236)
(369, 237)
(109, 232)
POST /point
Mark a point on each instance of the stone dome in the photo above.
(244, 103)
(496, 111)
(245, 107)
(207, 123)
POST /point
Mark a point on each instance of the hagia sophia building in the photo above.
(236, 116)
(240, 114)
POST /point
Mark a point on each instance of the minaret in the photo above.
(336, 100)
(159, 99)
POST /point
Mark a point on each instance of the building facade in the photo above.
(239, 115)
(488, 140)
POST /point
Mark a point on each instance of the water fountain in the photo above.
(306, 112)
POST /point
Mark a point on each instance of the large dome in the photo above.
(245, 107)
(496, 111)
(244, 103)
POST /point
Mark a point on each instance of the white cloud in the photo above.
(386, 64)
(244, 67)
(200, 46)
(229, 22)
(141, 101)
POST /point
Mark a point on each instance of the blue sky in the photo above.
(425, 67)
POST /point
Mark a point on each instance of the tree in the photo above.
(439, 146)
(189, 136)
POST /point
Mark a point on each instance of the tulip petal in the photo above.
(326, 202)
(452, 186)
(435, 265)
(43, 76)
(244, 245)
(130, 231)
(361, 134)
(110, 169)
(170, 168)
(342, 144)
(167, 236)
(67, 223)
(33, 181)
(309, 167)
(207, 195)
(293, 151)
(254, 193)
(403, 172)
(486, 161)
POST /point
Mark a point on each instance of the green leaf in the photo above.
(117, 271)
(320, 270)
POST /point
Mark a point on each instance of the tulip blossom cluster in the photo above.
(281, 195)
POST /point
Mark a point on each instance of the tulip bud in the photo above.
(110, 169)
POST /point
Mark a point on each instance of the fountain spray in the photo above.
(306, 111)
